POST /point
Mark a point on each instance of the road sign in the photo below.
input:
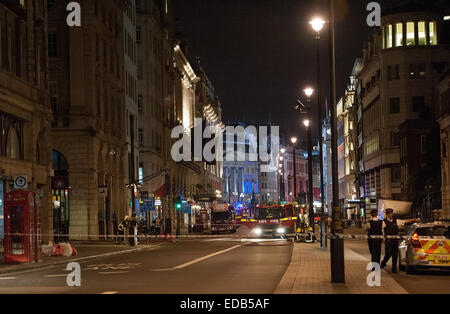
(21, 182)
(149, 204)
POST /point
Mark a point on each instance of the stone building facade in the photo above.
(25, 114)
(88, 133)
(397, 82)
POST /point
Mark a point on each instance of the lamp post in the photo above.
(337, 243)
(307, 123)
(317, 25)
(281, 171)
(294, 141)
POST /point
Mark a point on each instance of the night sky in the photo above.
(260, 54)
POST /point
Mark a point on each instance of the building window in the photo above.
(395, 139)
(140, 103)
(423, 144)
(52, 46)
(398, 35)
(422, 34)
(389, 36)
(394, 72)
(396, 173)
(417, 70)
(139, 70)
(433, 33)
(418, 103)
(141, 137)
(13, 144)
(410, 34)
(138, 34)
(394, 104)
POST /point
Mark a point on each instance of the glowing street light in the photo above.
(317, 24)
(308, 92)
(294, 140)
(306, 123)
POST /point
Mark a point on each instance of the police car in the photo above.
(427, 245)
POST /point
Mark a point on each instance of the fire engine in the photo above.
(276, 221)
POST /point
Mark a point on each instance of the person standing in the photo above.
(375, 228)
(121, 230)
(391, 229)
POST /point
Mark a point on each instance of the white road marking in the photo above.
(165, 269)
(113, 272)
(110, 292)
(205, 257)
(8, 278)
(54, 276)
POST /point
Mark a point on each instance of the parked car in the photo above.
(427, 245)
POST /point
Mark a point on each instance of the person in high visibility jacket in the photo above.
(125, 223)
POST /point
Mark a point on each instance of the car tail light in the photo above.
(415, 241)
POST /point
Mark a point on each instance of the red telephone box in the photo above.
(21, 227)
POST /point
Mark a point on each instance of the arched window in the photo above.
(13, 144)
(60, 164)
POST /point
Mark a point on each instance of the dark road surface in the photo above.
(218, 266)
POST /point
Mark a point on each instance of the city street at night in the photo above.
(225, 155)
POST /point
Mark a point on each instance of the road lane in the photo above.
(244, 269)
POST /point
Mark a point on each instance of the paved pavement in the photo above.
(309, 273)
(422, 282)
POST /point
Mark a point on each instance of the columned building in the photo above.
(88, 132)
(25, 113)
(401, 65)
(241, 185)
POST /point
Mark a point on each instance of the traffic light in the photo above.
(178, 204)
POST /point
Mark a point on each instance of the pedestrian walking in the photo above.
(375, 228)
(391, 229)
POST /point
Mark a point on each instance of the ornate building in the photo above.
(25, 114)
(88, 134)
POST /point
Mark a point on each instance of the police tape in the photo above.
(204, 236)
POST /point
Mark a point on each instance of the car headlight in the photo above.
(280, 230)
(258, 231)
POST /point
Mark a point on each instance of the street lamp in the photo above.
(308, 92)
(337, 243)
(294, 141)
(317, 25)
(307, 123)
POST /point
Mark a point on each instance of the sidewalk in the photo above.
(309, 273)
(86, 251)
